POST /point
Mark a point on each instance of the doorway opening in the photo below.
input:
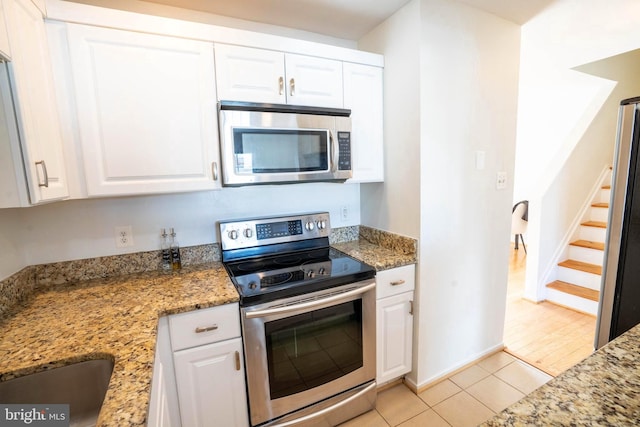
(550, 337)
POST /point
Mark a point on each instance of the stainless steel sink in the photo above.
(82, 385)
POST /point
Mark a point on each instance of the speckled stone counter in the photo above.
(114, 318)
(57, 314)
(380, 249)
(602, 390)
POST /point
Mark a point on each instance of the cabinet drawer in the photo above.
(204, 326)
(395, 281)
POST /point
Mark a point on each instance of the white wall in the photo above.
(80, 229)
(560, 108)
(466, 93)
(13, 257)
(395, 205)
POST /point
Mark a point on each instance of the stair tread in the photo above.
(581, 266)
(599, 224)
(600, 205)
(588, 244)
(570, 288)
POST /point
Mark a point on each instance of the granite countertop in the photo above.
(113, 318)
(69, 319)
(380, 250)
(602, 390)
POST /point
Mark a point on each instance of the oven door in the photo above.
(302, 350)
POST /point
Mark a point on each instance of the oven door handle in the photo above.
(310, 304)
(328, 409)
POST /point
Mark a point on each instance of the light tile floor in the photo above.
(465, 399)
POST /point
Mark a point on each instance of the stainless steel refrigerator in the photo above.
(619, 307)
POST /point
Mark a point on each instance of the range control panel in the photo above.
(248, 233)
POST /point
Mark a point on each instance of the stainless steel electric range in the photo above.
(308, 320)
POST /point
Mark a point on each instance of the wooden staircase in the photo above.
(577, 283)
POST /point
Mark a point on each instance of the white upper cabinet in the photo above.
(35, 102)
(363, 88)
(251, 75)
(313, 81)
(146, 107)
(5, 50)
(258, 75)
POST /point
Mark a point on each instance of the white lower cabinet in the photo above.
(208, 362)
(211, 386)
(163, 404)
(394, 322)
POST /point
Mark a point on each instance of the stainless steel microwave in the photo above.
(271, 143)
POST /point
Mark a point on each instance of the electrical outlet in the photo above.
(124, 236)
(501, 180)
(344, 213)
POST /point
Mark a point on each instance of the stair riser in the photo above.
(580, 278)
(604, 196)
(595, 234)
(599, 214)
(572, 301)
(591, 256)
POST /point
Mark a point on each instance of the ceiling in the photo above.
(345, 19)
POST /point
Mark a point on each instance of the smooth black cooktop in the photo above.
(279, 276)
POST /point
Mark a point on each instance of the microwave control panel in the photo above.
(344, 148)
(266, 231)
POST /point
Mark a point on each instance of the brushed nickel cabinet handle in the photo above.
(281, 85)
(237, 360)
(292, 87)
(411, 307)
(397, 282)
(199, 330)
(214, 170)
(44, 173)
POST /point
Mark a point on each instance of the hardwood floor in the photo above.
(547, 336)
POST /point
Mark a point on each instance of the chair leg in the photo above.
(523, 245)
(516, 246)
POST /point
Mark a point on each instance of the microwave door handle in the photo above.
(309, 304)
(335, 152)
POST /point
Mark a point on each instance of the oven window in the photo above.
(311, 349)
(276, 151)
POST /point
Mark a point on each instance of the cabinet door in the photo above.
(5, 50)
(36, 109)
(363, 87)
(146, 110)
(211, 387)
(250, 75)
(313, 81)
(163, 403)
(394, 325)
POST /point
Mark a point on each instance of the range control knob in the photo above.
(233, 234)
(311, 274)
(248, 233)
(252, 285)
(310, 226)
(322, 224)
